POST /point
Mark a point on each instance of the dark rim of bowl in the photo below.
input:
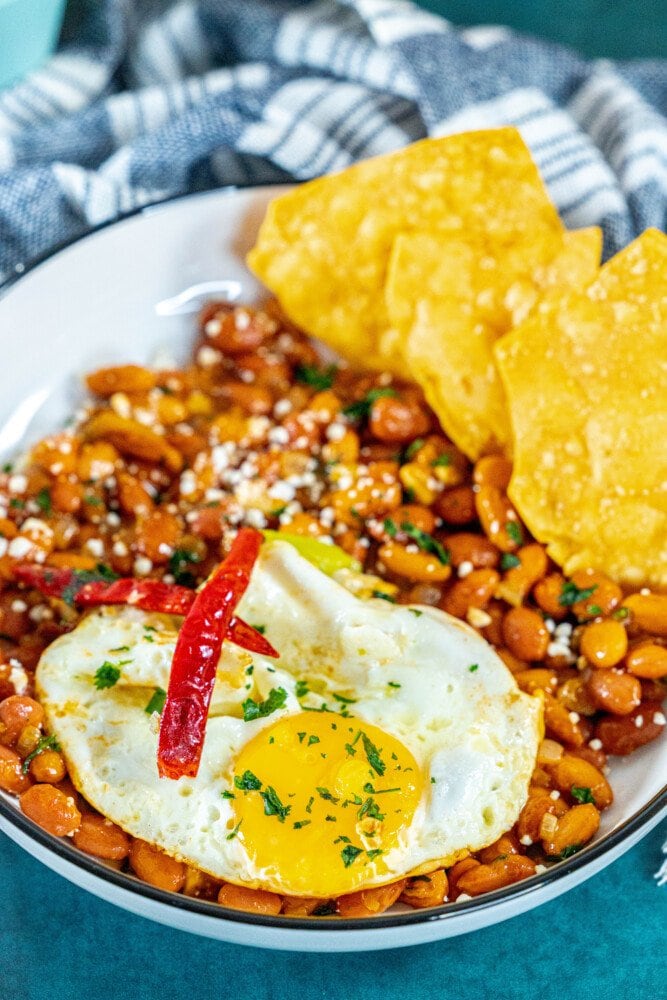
(67, 852)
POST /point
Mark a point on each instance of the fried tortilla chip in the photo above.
(324, 247)
(447, 307)
(586, 382)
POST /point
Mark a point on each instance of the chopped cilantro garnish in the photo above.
(46, 743)
(259, 710)
(316, 378)
(250, 670)
(568, 851)
(350, 853)
(390, 527)
(361, 409)
(342, 840)
(375, 853)
(120, 649)
(273, 806)
(571, 594)
(16, 503)
(393, 684)
(370, 808)
(509, 561)
(343, 700)
(259, 628)
(513, 529)
(312, 740)
(43, 500)
(179, 562)
(426, 542)
(413, 448)
(351, 751)
(416, 612)
(92, 501)
(301, 736)
(248, 782)
(156, 704)
(373, 755)
(594, 609)
(582, 794)
(441, 460)
(228, 795)
(7, 467)
(302, 689)
(325, 794)
(80, 577)
(301, 823)
(382, 596)
(621, 614)
(473, 667)
(309, 807)
(230, 836)
(107, 675)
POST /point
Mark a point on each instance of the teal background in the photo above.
(604, 939)
(28, 31)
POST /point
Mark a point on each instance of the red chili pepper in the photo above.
(193, 668)
(147, 595)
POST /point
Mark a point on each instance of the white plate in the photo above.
(110, 297)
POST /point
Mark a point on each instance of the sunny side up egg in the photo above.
(386, 740)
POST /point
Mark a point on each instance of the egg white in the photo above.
(474, 734)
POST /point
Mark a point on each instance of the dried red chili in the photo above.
(193, 668)
(77, 587)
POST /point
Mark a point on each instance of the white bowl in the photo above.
(114, 296)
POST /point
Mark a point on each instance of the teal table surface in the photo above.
(603, 939)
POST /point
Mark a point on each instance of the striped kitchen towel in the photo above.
(147, 99)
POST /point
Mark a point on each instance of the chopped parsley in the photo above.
(360, 410)
(108, 674)
(350, 853)
(343, 700)
(473, 667)
(571, 594)
(390, 527)
(43, 500)
(156, 704)
(426, 542)
(120, 649)
(373, 755)
(92, 501)
(441, 461)
(309, 807)
(273, 806)
(302, 688)
(413, 448)
(594, 609)
(509, 560)
(513, 529)
(375, 853)
(230, 836)
(312, 740)
(228, 795)
(393, 684)
(179, 562)
(325, 794)
(46, 743)
(582, 794)
(370, 808)
(416, 612)
(621, 614)
(80, 577)
(301, 823)
(259, 628)
(382, 596)
(568, 851)
(260, 709)
(315, 377)
(16, 503)
(248, 782)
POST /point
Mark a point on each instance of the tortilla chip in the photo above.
(324, 247)
(586, 382)
(447, 307)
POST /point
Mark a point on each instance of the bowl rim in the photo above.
(66, 851)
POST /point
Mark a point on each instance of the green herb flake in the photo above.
(442, 461)
(413, 448)
(571, 594)
(568, 851)
(230, 836)
(621, 614)
(351, 751)
(509, 560)
(46, 743)
(380, 594)
(473, 667)
(43, 500)
(259, 628)
(273, 806)
(92, 501)
(370, 808)
(360, 410)
(312, 740)
(375, 853)
(350, 853)
(302, 689)
(228, 795)
(180, 562)
(317, 378)
(594, 609)
(107, 675)
(513, 529)
(301, 823)
(260, 709)
(393, 684)
(325, 794)
(373, 755)
(248, 782)
(390, 527)
(426, 542)
(343, 700)
(582, 794)
(415, 612)
(156, 703)
(309, 807)
(16, 503)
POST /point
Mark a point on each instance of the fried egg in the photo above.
(386, 740)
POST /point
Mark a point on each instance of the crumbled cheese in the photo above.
(119, 549)
(113, 519)
(121, 405)
(595, 744)
(282, 491)
(164, 549)
(462, 897)
(17, 483)
(96, 547)
(549, 624)
(40, 613)
(19, 606)
(554, 795)
(18, 677)
(540, 869)
(188, 483)
(207, 356)
(142, 566)
(35, 526)
(574, 717)
(526, 840)
(213, 328)
(278, 435)
(255, 518)
(20, 547)
(282, 408)
(478, 618)
(465, 568)
(659, 719)
(639, 721)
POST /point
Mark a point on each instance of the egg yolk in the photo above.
(320, 800)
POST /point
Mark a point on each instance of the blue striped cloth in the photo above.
(156, 98)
